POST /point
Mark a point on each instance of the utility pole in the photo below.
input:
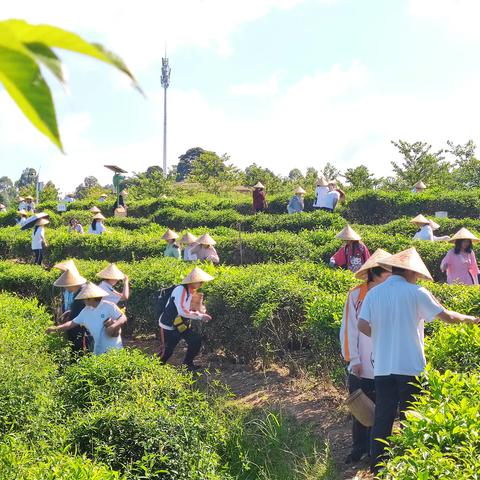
(165, 81)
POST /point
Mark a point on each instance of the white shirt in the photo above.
(396, 311)
(93, 318)
(113, 295)
(100, 229)
(321, 195)
(356, 346)
(182, 302)
(331, 199)
(425, 233)
(188, 256)
(22, 206)
(22, 221)
(38, 238)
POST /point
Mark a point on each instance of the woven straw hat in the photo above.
(98, 216)
(464, 234)
(259, 185)
(90, 290)
(70, 278)
(124, 193)
(420, 220)
(41, 221)
(348, 233)
(66, 265)
(300, 191)
(104, 195)
(420, 185)
(95, 210)
(197, 275)
(408, 260)
(169, 235)
(188, 238)
(22, 213)
(322, 182)
(21, 199)
(28, 197)
(434, 225)
(206, 239)
(2, 205)
(112, 272)
(372, 262)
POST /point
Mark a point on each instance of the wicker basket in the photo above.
(196, 304)
(361, 407)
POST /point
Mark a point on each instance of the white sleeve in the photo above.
(427, 307)
(114, 311)
(365, 311)
(179, 296)
(349, 332)
(80, 318)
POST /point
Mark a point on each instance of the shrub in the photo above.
(440, 439)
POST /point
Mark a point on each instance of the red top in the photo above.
(352, 258)
(259, 201)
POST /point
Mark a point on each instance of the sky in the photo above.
(281, 83)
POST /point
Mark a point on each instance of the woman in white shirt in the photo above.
(110, 276)
(189, 240)
(426, 229)
(38, 239)
(101, 318)
(321, 193)
(97, 227)
(23, 218)
(75, 226)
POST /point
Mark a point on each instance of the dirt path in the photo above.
(317, 403)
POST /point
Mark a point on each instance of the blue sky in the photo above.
(283, 83)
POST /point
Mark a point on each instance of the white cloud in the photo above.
(267, 88)
(138, 30)
(460, 17)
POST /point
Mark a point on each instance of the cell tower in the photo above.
(165, 81)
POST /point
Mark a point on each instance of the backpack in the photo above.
(165, 309)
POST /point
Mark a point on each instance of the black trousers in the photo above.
(171, 339)
(38, 256)
(361, 435)
(393, 392)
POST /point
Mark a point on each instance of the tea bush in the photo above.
(440, 439)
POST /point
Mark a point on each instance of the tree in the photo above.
(49, 192)
(360, 177)
(184, 165)
(7, 190)
(295, 175)
(23, 48)
(254, 174)
(419, 163)
(462, 153)
(28, 178)
(151, 183)
(89, 186)
(212, 172)
(330, 172)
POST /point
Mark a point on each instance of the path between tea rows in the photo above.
(318, 404)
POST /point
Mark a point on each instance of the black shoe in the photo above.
(353, 457)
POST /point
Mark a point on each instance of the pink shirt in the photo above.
(461, 268)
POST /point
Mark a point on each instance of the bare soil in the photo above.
(315, 402)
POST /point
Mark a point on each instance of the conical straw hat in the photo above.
(70, 278)
(464, 234)
(322, 182)
(103, 195)
(28, 197)
(420, 185)
(206, 239)
(112, 272)
(420, 220)
(408, 260)
(197, 275)
(21, 199)
(90, 290)
(41, 221)
(434, 225)
(22, 213)
(300, 191)
(169, 235)
(348, 233)
(372, 262)
(98, 216)
(188, 238)
(259, 185)
(2, 205)
(95, 209)
(66, 265)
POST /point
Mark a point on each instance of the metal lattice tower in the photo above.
(165, 81)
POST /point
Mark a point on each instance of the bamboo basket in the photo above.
(361, 407)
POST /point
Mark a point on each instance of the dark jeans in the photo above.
(38, 256)
(171, 339)
(361, 435)
(393, 392)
